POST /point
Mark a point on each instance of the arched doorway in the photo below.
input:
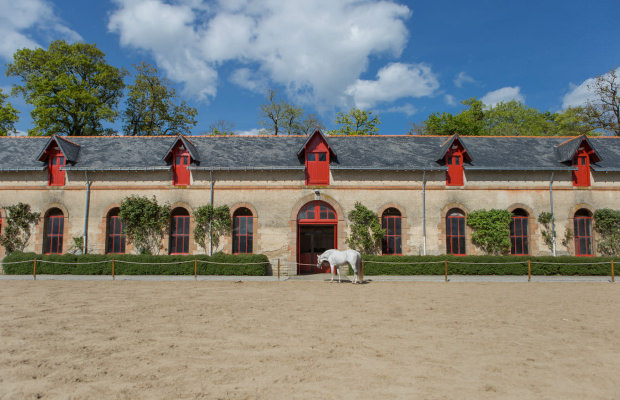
(316, 232)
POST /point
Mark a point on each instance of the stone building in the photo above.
(290, 196)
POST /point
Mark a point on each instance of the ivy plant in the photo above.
(145, 222)
(491, 230)
(607, 225)
(19, 223)
(366, 233)
(220, 221)
(545, 218)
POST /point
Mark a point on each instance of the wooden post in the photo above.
(613, 277)
(446, 271)
(529, 270)
(362, 273)
(278, 269)
(195, 269)
(113, 278)
(34, 269)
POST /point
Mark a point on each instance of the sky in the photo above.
(401, 59)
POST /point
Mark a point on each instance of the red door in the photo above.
(316, 233)
(181, 168)
(56, 176)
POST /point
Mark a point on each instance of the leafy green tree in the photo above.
(357, 122)
(545, 218)
(145, 223)
(71, 87)
(513, 118)
(491, 230)
(574, 121)
(19, 224)
(221, 128)
(216, 220)
(366, 233)
(469, 122)
(8, 116)
(607, 225)
(151, 108)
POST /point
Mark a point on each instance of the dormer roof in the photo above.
(566, 151)
(318, 132)
(193, 152)
(453, 140)
(69, 150)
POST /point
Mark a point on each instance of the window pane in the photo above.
(250, 244)
(455, 245)
(397, 222)
(242, 245)
(242, 226)
(384, 223)
(526, 248)
(322, 156)
(461, 222)
(235, 243)
(250, 225)
(457, 160)
(398, 249)
(178, 160)
(311, 157)
(461, 245)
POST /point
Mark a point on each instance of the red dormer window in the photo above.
(454, 159)
(55, 160)
(180, 166)
(317, 162)
(581, 177)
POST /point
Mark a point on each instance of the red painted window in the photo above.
(581, 177)
(583, 233)
(116, 234)
(317, 162)
(454, 175)
(180, 168)
(455, 232)
(317, 212)
(519, 245)
(179, 232)
(55, 160)
(392, 241)
(243, 231)
(53, 232)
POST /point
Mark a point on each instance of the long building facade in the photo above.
(290, 196)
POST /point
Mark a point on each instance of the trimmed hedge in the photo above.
(473, 265)
(90, 264)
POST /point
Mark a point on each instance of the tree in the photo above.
(216, 220)
(491, 230)
(357, 122)
(514, 118)
(8, 116)
(145, 223)
(607, 225)
(309, 124)
(151, 108)
(272, 114)
(19, 223)
(469, 122)
(574, 121)
(604, 112)
(221, 128)
(71, 87)
(366, 233)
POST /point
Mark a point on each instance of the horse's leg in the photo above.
(339, 274)
(331, 268)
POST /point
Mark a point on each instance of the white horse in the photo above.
(337, 258)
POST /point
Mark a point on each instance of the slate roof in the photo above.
(280, 153)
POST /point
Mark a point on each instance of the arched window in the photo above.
(115, 243)
(455, 232)
(519, 245)
(583, 233)
(392, 241)
(243, 231)
(179, 232)
(54, 226)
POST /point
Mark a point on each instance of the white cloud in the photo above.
(503, 95)
(251, 132)
(407, 109)
(393, 82)
(19, 19)
(462, 78)
(314, 49)
(449, 100)
(248, 79)
(579, 95)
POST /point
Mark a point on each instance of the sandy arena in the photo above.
(308, 340)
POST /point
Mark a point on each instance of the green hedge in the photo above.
(474, 265)
(157, 265)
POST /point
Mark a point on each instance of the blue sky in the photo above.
(402, 59)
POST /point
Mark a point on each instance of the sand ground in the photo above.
(308, 340)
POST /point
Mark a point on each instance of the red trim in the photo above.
(393, 227)
(317, 161)
(583, 236)
(320, 213)
(54, 234)
(519, 245)
(179, 235)
(180, 167)
(116, 238)
(243, 240)
(454, 159)
(457, 236)
(581, 177)
(55, 160)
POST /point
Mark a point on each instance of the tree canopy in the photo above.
(604, 110)
(8, 116)
(278, 116)
(71, 87)
(357, 122)
(151, 108)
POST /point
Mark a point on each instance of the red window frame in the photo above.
(116, 235)
(581, 177)
(317, 159)
(583, 236)
(519, 245)
(180, 168)
(454, 160)
(455, 238)
(55, 176)
(392, 241)
(54, 233)
(179, 235)
(243, 234)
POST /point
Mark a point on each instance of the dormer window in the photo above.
(317, 155)
(454, 175)
(581, 161)
(180, 167)
(55, 160)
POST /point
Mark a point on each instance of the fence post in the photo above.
(613, 278)
(195, 269)
(529, 270)
(113, 278)
(278, 269)
(34, 269)
(446, 271)
(362, 273)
